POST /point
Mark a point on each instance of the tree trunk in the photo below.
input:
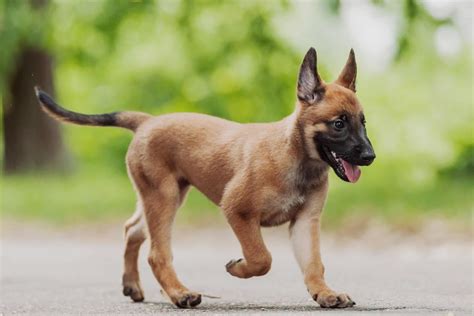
(32, 140)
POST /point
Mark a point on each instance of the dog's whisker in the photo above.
(211, 296)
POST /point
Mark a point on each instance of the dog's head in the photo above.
(332, 120)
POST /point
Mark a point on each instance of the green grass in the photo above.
(82, 197)
(403, 206)
(101, 196)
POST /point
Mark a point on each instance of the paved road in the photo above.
(79, 273)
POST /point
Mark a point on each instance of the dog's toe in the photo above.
(344, 301)
(189, 300)
(329, 299)
(127, 290)
(231, 263)
(134, 292)
(132, 288)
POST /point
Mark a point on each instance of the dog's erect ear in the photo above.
(347, 78)
(309, 83)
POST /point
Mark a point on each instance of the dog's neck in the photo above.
(309, 172)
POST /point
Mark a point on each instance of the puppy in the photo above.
(261, 174)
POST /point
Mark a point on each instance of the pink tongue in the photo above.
(352, 171)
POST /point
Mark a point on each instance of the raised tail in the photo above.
(128, 120)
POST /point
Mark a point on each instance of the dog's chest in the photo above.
(282, 204)
(289, 201)
(281, 207)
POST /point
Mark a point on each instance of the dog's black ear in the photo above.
(310, 87)
(347, 78)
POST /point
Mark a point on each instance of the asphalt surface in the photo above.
(80, 273)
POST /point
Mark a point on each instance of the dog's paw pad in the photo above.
(231, 263)
(188, 300)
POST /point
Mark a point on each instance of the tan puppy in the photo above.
(261, 174)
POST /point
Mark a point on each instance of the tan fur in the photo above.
(132, 120)
(249, 170)
(260, 174)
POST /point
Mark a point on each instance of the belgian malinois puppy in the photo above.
(261, 174)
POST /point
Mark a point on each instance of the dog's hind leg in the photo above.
(135, 235)
(161, 196)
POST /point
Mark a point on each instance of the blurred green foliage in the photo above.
(412, 13)
(108, 195)
(225, 58)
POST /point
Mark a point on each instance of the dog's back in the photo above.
(203, 150)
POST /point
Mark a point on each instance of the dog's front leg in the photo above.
(257, 259)
(305, 235)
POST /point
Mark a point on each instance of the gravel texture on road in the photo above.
(80, 273)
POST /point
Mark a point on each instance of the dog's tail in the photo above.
(128, 120)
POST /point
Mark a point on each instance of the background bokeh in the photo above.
(239, 60)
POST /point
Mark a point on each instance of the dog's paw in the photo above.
(135, 293)
(236, 267)
(330, 299)
(134, 290)
(188, 300)
(229, 265)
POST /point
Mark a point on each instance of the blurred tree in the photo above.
(414, 12)
(32, 140)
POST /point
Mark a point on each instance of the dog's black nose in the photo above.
(368, 157)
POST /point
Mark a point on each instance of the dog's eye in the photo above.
(339, 124)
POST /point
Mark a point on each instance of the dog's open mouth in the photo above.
(345, 170)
